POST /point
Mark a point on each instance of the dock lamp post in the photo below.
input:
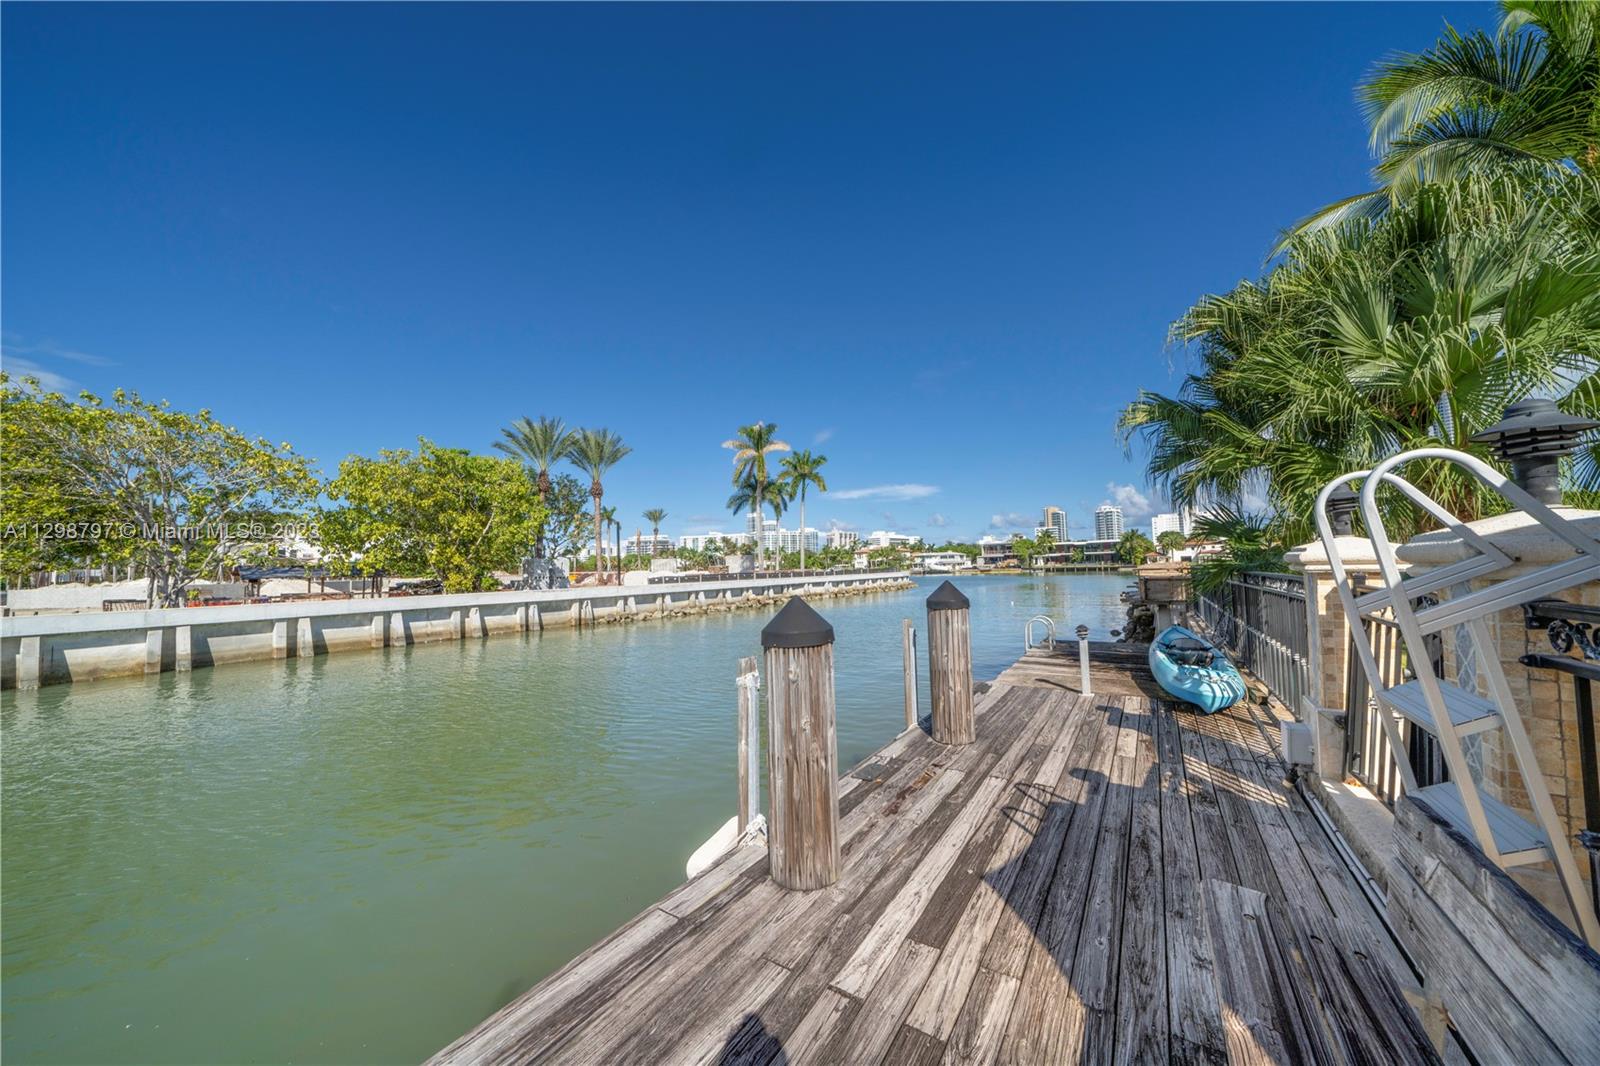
(1534, 436)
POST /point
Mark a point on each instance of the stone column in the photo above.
(185, 648)
(280, 638)
(1329, 631)
(1546, 700)
(304, 643)
(154, 647)
(30, 663)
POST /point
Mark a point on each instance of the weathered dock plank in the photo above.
(1095, 878)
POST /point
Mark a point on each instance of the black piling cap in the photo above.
(797, 626)
(948, 598)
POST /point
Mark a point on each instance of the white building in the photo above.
(701, 541)
(940, 562)
(1166, 523)
(881, 538)
(647, 544)
(1107, 522)
(843, 538)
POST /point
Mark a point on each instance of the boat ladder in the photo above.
(1049, 632)
(1449, 711)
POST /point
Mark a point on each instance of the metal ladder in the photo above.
(1450, 712)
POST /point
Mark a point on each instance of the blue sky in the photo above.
(941, 244)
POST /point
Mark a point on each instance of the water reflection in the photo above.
(344, 859)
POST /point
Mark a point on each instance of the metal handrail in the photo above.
(1050, 631)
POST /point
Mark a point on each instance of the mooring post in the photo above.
(1083, 659)
(748, 681)
(802, 748)
(908, 635)
(950, 665)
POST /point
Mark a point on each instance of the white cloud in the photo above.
(822, 436)
(834, 523)
(1134, 503)
(1010, 520)
(938, 521)
(908, 491)
(18, 367)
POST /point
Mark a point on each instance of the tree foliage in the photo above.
(1133, 547)
(180, 495)
(438, 511)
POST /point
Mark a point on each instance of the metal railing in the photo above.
(1368, 756)
(1261, 619)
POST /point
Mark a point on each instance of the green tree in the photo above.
(1412, 330)
(655, 516)
(441, 512)
(1171, 542)
(800, 470)
(891, 557)
(1476, 102)
(178, 494)
(1025, 549)
(1044, 542)
(1133, 547)
(595, 452)
(567, 519)
(540, 445)
(751, 447)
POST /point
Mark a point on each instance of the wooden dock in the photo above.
(1105, 878)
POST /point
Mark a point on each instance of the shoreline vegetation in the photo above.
(1411, 315)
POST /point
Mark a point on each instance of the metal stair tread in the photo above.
(1469, 712)
(1512, 832)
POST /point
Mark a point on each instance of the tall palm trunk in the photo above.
(761, 522)
(544, 496)
(802, 527)
(599, 537)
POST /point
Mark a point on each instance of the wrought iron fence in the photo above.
(1368, 756)
(1261, 619)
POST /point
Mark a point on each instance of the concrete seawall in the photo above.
(53, 649)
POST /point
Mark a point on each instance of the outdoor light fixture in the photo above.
(1342, 503)
(1533, 437)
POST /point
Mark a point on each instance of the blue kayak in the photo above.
(1194, 670)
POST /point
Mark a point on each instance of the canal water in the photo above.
(355, 859)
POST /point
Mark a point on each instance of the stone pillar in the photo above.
(535, 620)
(475, 622)
(1546, 700)
(1330, 661)
(154, 644)
(305, 645)
(377, 630)
(184, 653)
(30, 663)
(397, 629)
(280, 639)
(455, 625)
(522, 618)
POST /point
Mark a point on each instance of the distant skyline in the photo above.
(941, 244)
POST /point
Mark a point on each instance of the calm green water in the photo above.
(356, 859)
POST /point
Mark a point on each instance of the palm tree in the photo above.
(748, 497)
(595, 452)
(1171, 542)
(1475, 102)
(1416, 329)
(539, 445)
(608, 515)
(751, 446)
(1133, 547)
(799, 470)
(655, 516)
(1044, 542)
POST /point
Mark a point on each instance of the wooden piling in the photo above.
(748, 741)
(802, 748)
(950, 665)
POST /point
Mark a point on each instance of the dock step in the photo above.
(1517, 839)
(1469, 712)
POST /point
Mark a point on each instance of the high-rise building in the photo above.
(1055, 520)
(1107, 522)
(843, 538)
(1165, 523)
